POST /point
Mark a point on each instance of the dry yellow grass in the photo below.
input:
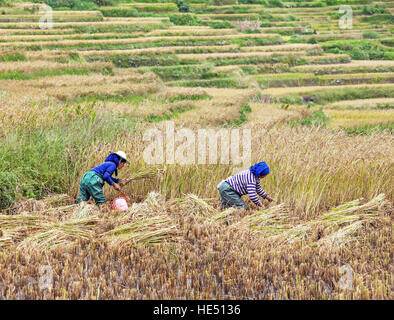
(214, 16)
(133, 40)
(154, 50)
(359, 118)
(350, 65)
(21, 94)
(220, 55)
(222, 108)
(270, 114)
(317, 59)
(170, 243)
(30, 66)
(293, 90)
(64, 25)
(58, 37)
(369, 75)
(179, 245)
(188, 31)
(284, 47)
(360, 103)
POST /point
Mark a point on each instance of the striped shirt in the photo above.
(246, 182)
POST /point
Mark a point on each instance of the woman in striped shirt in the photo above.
(245, 182)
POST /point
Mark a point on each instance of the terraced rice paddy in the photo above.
(318, 100)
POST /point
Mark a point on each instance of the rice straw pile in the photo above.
(266, 222)
(148, 231)
(149, 223)
(195, 206)
(61, 234)
(339, 226)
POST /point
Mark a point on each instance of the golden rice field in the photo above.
(317, 99)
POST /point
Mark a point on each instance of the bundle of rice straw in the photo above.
(226, 216)
(14, 221)
(14, 228)
(149, 231)
(148, 173)
(42, 206)
(350, 217)
(83, 210)
(5, 242)
(340, 224)
(61, 234)
(153, 204)
(353, 211)
(57, 200)
(343, 236)
(267, 222)
(192, 204)
(290, 235)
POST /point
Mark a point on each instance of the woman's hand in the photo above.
(269, 198)
(116, 187)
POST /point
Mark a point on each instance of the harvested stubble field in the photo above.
(318, 101)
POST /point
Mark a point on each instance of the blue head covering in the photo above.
(115, 159)
(260, 169)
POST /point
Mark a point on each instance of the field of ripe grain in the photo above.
(318, 101)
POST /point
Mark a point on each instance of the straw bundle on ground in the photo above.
(33, 205)
(351, 218)
(192, 204)
(267, 222)
(338, 227)
(83, 210)
(149, 231)
(61, 234)
(153, 204)
(226, 216)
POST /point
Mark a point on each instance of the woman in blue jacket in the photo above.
(92, 182)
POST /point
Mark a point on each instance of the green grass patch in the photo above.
(135, 61)
(243, 116)
(47, 159)
(193, 97)
(173, 112)
(118, 28)
(211, 83)
(291, 60)
(125, 97)
(359, 49)
(197, 71)
(318, 119)
(18, 75)
(10, 57)
(332, 95)
(369, 129)
(302, 80)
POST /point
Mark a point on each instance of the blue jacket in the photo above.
(106, 169)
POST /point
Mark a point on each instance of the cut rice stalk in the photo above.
(353, 211)
(148, 232)
(62, 234)
(226, 215)
(192, 204)
(342, 236)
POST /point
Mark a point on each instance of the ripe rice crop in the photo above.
(71, 94)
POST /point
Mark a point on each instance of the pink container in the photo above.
(119, 204)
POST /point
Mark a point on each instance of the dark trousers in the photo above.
(229, 197)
